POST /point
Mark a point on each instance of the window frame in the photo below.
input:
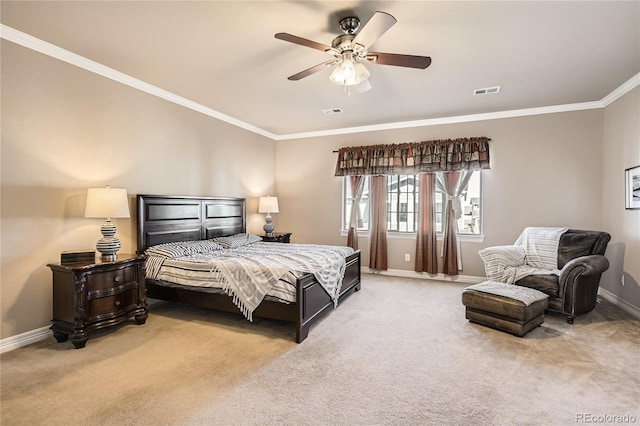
(396, 207)
(464, 236)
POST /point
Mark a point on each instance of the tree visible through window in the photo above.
(402, 205)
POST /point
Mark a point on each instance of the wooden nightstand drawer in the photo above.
(110, 279)
(89, 295)
(112, 302)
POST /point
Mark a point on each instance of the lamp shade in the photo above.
(268, 205)
(107, 203)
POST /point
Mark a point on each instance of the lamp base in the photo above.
(108, 257)
(268, 226)
(108, 245)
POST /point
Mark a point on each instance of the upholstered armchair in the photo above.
(572, 287)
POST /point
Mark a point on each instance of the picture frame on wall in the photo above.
(632, 188)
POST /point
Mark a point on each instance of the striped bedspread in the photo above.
(250, 270)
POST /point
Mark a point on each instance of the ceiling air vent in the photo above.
(332, 111)
(486, 91)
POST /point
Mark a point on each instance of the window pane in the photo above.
(402, 205)
(469, 222)
(348, 201)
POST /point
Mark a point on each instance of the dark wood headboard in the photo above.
(169, 218)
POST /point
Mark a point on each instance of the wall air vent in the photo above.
(486, 91)
(332, 111)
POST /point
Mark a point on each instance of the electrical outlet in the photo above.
(407, 257)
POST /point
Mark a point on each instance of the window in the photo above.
(469, 223)
(402, 205)
(348, 201)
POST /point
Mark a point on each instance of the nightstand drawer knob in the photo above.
(117, 303)
(117, 279)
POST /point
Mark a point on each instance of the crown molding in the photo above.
(624, 88)
(41, 46)
(446, 120)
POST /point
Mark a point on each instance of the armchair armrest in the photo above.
(578, 284)
(589, 265)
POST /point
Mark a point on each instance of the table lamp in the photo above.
(268, 205)
(107, 203)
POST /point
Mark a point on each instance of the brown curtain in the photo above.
(355, 220)
(450, 227)
(426, 254)
(452, 184)
(378, 239)
(413, 158)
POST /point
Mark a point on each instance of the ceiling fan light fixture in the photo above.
(349, 71)
(350, 52)
(362, 73)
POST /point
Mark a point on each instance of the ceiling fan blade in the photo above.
(303, 42)
(379, 23)
(410, 61)
(312, 70)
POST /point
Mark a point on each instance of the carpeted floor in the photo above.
(399, 352)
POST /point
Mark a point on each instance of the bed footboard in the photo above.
(313, 300)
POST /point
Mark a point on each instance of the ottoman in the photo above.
(506, 307)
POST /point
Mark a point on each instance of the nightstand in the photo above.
(277, 237)
(92, 295)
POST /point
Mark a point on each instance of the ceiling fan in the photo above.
(350, 52)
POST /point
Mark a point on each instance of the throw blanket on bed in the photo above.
(535, 252)
(249, 271)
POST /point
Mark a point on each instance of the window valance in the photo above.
(416, 157)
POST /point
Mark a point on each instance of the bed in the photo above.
(167, 219)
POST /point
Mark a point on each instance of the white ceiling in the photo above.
(223, 56)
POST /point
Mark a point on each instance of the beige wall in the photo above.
(621, 150)
(64, 130)
(546, 170)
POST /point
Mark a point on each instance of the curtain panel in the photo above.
(426, 257)
(355, 220)
(417, 157)
(452, 184)
(378, 236)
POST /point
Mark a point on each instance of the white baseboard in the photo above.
(33, 336)
(24, 339)
(467, 279)
(621, 303)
